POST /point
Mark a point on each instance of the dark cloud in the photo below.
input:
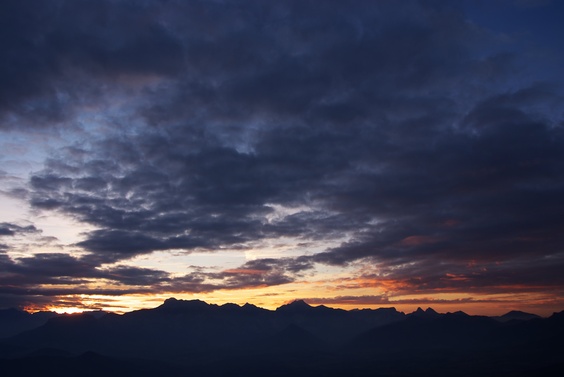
(429, 276)
(52, 51)
(5, 231)
(28, 273)
(9, 229)
(263, 272)
(407, 130)
(49, 277)
(58, 270)
(23, 301)
(113, 245)
(385, 301)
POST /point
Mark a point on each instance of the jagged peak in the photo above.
(427, 313)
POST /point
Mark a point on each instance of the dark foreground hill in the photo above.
(13, 321)
(192, 338)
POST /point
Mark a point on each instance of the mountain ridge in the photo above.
(173, 302)
(302, 340)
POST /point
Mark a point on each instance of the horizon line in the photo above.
(78, 311)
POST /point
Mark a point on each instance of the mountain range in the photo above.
(193, 338)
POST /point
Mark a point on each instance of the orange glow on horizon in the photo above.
(368, 291)
(357, 296)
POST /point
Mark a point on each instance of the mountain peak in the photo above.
(230, 306)
(427, 313)
(249, 307)
(173, 303)
(516, 315)
(297, 305)
(460, 313)
(253, 309)
(13, 313)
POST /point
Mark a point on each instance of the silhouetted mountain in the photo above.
(427, 333)
(88, 364)
(12, 314)
(196, 338)
(292, 339)
(429, 313)
(50, 352)
(250, 308)
(98, 313)
(516, 315)
(14, 321)
(193, 306)
(298, 306)
(377, 317)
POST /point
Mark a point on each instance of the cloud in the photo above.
(383, 300)
(54, 53)
(405, 131)
(10, 229)
(57, 275)
(263, 272)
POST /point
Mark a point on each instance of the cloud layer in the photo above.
(406, 130)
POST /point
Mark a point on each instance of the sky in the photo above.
(355, 154)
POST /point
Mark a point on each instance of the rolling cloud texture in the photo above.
(406, 136)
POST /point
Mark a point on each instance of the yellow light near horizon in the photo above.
(65, 310)
(348, 296)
